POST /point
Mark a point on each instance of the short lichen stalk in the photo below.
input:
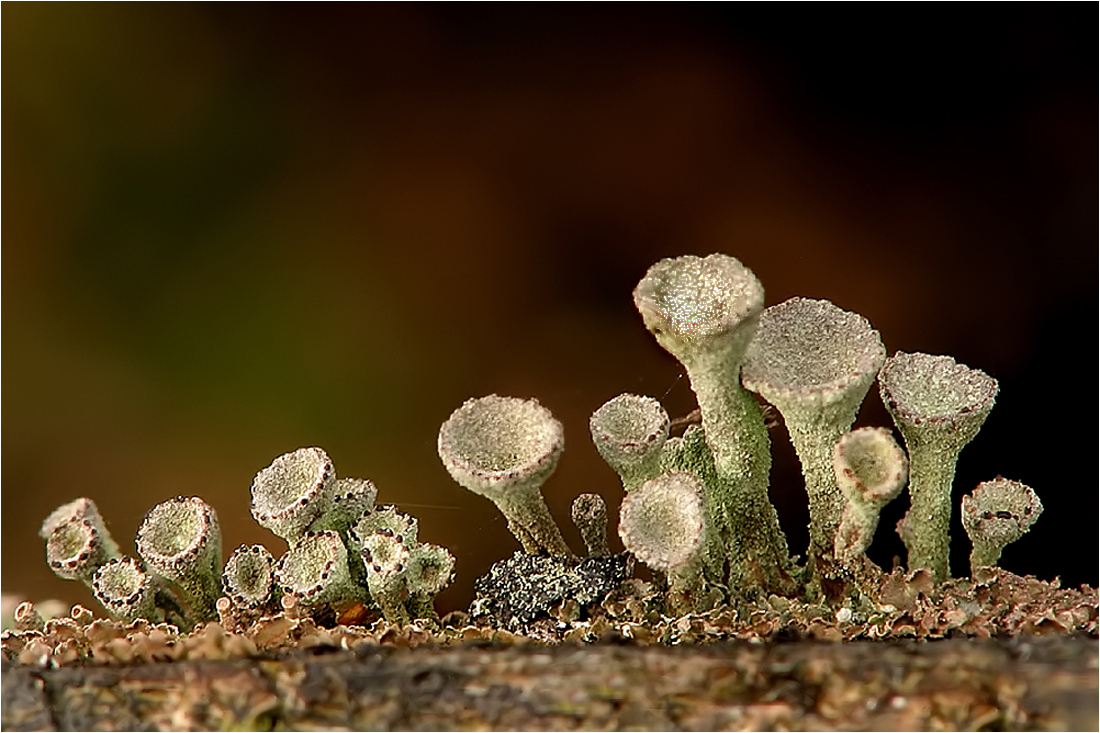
(939, 406)
(704, 311)
(815, 363)
(504, 448)
(589, 513)
(998, 513)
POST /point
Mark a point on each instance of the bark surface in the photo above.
(1025, 683)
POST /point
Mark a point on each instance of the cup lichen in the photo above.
(814, 362)
(939, 406)
(705, 311)
(504, 448)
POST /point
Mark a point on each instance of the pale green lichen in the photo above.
(939, 406)
(248, 578)
(705, 311)
(663, 524)
(815, 363)
(504, 448)
(315, 571)
(181, 540)
(696, 508)
(126, 590)
(293, 492)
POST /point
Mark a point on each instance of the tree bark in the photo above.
(1025, 683)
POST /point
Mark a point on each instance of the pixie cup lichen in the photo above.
(939, 406)
(705, 311)
(76, 549)
(350, 499)
(871, 470)
(387, 560)
(314, 571)
(248, 578)
(293, 492)
(125, 590)
(80, 509)
(629, 432)
(814, 362)
(504, 448)
(181, 540)
(998, 513)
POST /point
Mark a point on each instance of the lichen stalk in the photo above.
(815, 362)
(704, 311)
(939, 406)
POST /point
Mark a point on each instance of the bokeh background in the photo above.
(233, 230)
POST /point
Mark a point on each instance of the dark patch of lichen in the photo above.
(524, 587)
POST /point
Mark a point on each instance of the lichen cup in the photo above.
(705, 311)
(314, 572)
(294, 492)
(629, 432)
(815, 362)
(125, 590)
(504, 448)
(939, 406)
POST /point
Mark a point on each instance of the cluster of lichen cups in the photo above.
(345, 554)
(696, 507)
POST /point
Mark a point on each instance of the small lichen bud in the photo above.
(939, 406)
(181, 540)
(315, 571)
(629, 432)
(387, 561)
(27, 618)
(998, 513)
(125, 590)
(293, 492)
(814, 362)
(249, 577)
(504, 449)
(75, 550)
(871, 470)
(589, 513)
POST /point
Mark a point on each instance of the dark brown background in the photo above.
(233, 230)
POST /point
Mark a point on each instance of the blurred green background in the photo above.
(233, 230)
